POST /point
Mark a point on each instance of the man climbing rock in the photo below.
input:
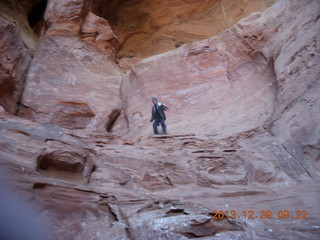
(158, 116)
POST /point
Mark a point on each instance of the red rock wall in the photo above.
(296, 53)
(84, 34)
(17, 48)
(216, 86)
(71, 82)
(244, 118)
(262, 72)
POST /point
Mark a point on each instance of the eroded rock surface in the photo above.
(14, 60)
(97, 31)
(243, 125)
(154, 187)
(242, 78)
(146, 27)
(72, 82)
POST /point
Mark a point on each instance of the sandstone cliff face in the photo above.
(242, 79)
(243, 120)
(71, 82)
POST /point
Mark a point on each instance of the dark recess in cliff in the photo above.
(35, 16)
(112, 119)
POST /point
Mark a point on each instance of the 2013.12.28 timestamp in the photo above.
(263, 214)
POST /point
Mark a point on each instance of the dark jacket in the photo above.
(158, 111)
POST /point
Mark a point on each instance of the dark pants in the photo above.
(156, 122)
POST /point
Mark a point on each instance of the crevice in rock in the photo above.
(301, 164)
(166, 177)
(21, 106)
(113, 116)
(19, 102)
(113, 213)
(175, 212)
(168, 181)
(35, 16)
(121, 218)
(275, 90)
(94, 168)
(191, 235)
(229, 150)
(39, 186)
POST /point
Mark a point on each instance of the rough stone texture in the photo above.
(98, 32)
(238, 91)
(262, 72)
(16, 52)
(65, 17)
(47, 147)
(163, 187)
(296, 55)
(70, 82)
(148, 27)
(243, 124)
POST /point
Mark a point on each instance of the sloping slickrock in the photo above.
(70, 82)
(192, 177)
(97, 186)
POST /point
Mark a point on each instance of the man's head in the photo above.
(154, 100)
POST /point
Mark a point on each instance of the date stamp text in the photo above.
(263, 214)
